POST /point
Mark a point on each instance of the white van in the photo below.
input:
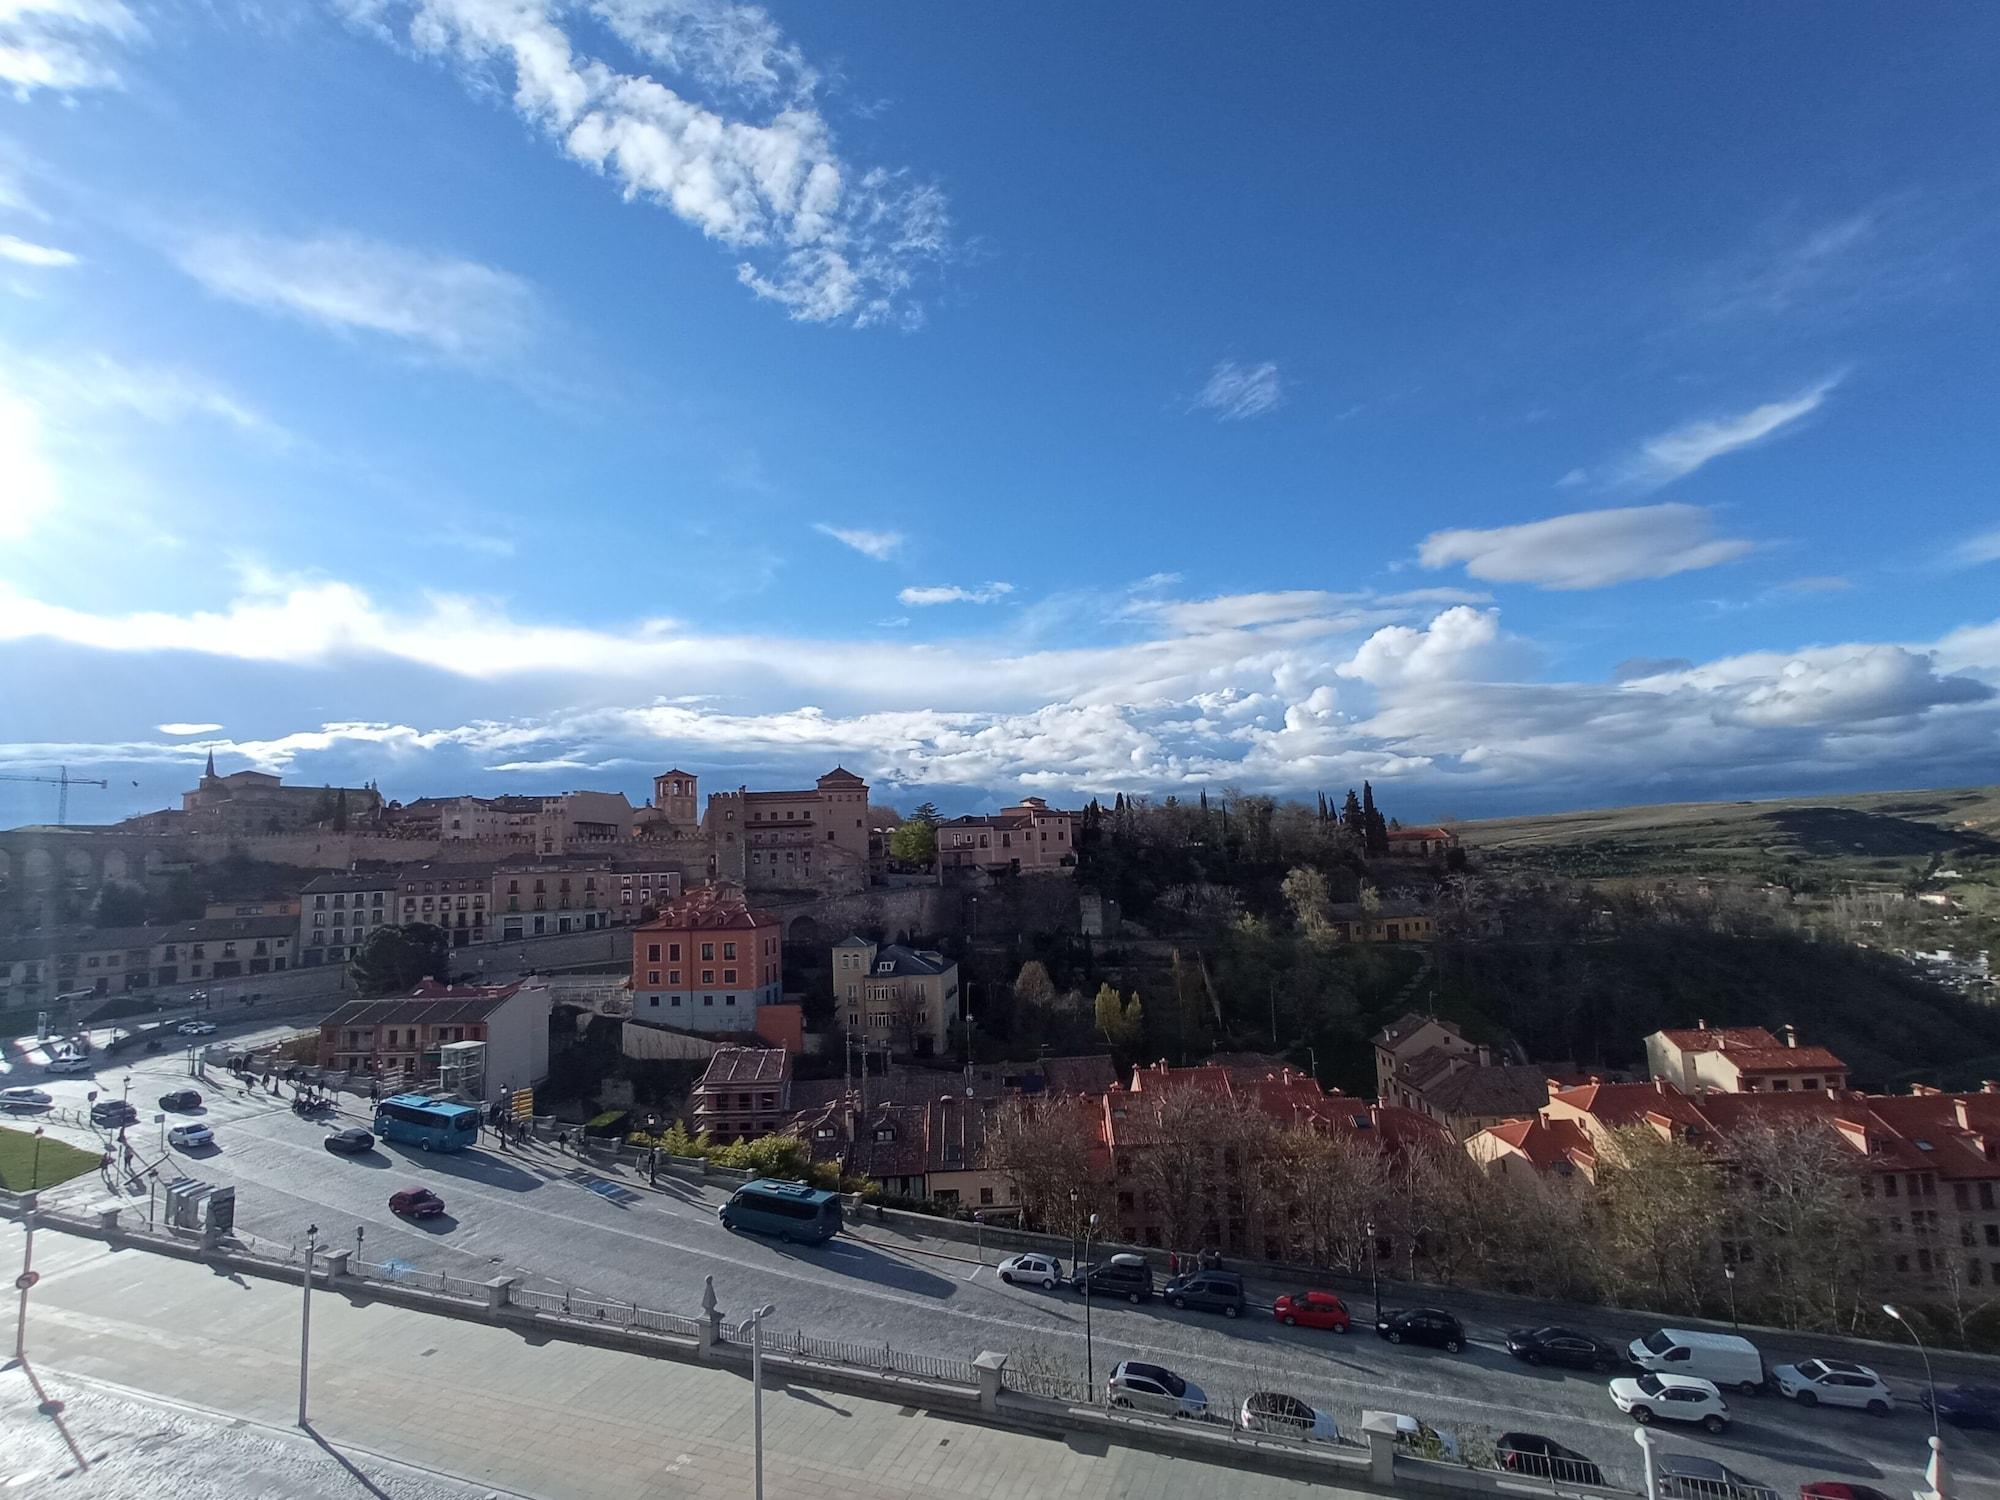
(1722, 1358)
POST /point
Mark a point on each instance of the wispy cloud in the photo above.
(826, 239)
(456, 308)
(1679, 451)
(28, 486)
(880, 545)
(985, 593)
(1975, 551)
(187, 729)
(63, 45)
(1234, 392)
(28, 253)
(1587, 549)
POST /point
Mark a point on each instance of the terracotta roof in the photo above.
(1783, 1059)
(1717, 1038)
(746, 1065)
(1433, 832)
(1505, 1090)
(957, 1133)
(440, 1012)
(1630, 1103)
(383, 880)
(430, 989)
(1432, 1065)
(718, 906)
(1546, 1143)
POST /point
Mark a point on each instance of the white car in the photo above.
(1142, 1387)
(197, 1028)
(67, 1065)
(25, 1098)
(1671, 1398)
(1044, 1271)
(185, 1136)
(1286, 1416)
(1422, 1439)
(1837, 1383)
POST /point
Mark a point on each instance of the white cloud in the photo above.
(187, 729)
(1676, 453)
(62, 45)
(1234, 392)
(985, 593)
(1975, 550)
(457, 308)
(880, 545)
(1587, 549)
(28, 487)
(28, 253)
(827, 240)
(78, 383)
(1460, 643)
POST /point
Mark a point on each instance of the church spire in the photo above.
(211, 763)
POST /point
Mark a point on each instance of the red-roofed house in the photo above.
(1422, 842)
(707, 962)
(1741, 1060)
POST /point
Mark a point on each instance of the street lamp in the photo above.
(1374, 1284)
(1931, 1383)
(1729, 1275)
(27, 1277)
(1073, 1222)
(306, 1317)
(757, 1384)
(1089, 1350)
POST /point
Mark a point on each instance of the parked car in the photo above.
(1286, 1416)
(190, 1136)
(1682, 1476)
(1671, 1398)
(1720, 1358)
(1208, 1291)
(1125, 1276)
(352, 1141)
(1313, 1310)
(24, 1097)
(1840, 1489)
(113, 1112)
(180, 1099)
(1040, 1270)
(67, 1064)
(1422, 1439)
(1422, 1325)
(1836, 1382)
(1154, 1388)
(1966, 1405)
(1544, 1458)
(1563, 1346)
(196, 1028)
(416, 1203)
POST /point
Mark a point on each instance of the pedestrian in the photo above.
(562, 1140)
(653, 1164)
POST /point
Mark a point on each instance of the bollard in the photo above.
(336, 1263)
(500, 1292)
(992, 1370)
(1380, 1429)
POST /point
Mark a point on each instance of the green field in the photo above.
(1871, 836)
(56, 1163)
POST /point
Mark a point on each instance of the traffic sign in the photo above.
(26, 1279)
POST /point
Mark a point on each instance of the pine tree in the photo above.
(1350, 815)
(1375, 832)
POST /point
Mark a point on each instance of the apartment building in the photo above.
(707, 962)
(745, 1092)
(37, 967)
(337, 912)
(792, 838)
(1430, 1066)
(400, 1037)
(456, 897)
(902, 998)
(1741, 1060)
(1029, 837)
(539, 896)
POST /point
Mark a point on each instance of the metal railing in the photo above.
(879, 1358)
(1049, 1386)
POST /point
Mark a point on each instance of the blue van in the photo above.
(790, 1210)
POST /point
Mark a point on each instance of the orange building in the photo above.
(707, 962)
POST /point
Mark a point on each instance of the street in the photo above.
(544, 1216)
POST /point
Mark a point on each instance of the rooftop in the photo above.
(747, 1066)
(1508, 1089)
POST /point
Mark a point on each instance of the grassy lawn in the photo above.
(57, 1162)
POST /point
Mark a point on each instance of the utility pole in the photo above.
(306, 1319)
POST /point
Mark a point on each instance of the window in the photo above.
(729, 976)
(1888, 1187)
(653, 976)
(652, 953)
(1961, 1194)
(729, 950)
(1985, 1188)
(708, 952)
(1993, 1234)
(708, 976)
(673, 976)
(986, 1195)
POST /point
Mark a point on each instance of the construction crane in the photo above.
(65, 781)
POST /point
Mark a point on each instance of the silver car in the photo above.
(1154, 1388)
(1281, 1415)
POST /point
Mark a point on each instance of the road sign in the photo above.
(26, 1279)
(523, 1104)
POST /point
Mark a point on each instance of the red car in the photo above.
(1835, 1489)
(1313, 1310)
(416, 1203)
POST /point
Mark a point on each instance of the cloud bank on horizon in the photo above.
(505, 394)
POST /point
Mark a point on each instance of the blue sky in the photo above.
(1520, 409)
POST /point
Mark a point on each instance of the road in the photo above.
(544, 1216)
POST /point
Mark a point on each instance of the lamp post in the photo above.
(1929, 1382)
(1374, 1284)
(1074, 1220)
(27, 1277)
(1089, 1349)
(1729, 1275)
(306, 1318)
(757, 1385)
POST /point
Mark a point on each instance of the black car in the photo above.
(1545, 1458)
(1562, 1346)
(1210, 1291)
(1966, 1405)
(1422, 1325)
(352, 1141)
(180, 1099)
(1125, 1276)
(113, 1112)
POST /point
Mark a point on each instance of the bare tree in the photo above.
(1794, 1203)
(1038, 1144)
(1329, 1186)
(1660, 1205)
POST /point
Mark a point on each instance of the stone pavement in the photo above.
(418, 1405)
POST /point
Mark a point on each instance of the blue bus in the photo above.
(789, 1210)
(426, 1123)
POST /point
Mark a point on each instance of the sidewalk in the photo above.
(468, 1403)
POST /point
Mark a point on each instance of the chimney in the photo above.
(1791, 1035)
(1701, 1025)
(1988, 1086)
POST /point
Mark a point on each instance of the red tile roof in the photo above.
(1783, 1059)
(1547, 1143)
(710, 906)
(1716, 1038)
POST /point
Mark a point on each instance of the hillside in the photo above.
(1889, 837)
